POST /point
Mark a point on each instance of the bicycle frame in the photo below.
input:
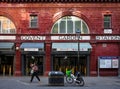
(70, 78)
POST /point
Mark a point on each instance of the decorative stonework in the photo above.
(58, 1)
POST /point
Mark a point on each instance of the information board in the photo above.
(115, 63)
(105, 63)
(108, 62)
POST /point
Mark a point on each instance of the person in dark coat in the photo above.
(34, 72)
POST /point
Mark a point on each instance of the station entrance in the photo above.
(62, 63)
(6, 65)
(66, 56)
(27, 60)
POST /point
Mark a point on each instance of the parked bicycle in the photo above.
(71, 78)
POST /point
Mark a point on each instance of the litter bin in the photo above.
(56, 78)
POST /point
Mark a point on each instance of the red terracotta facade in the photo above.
(49, 13)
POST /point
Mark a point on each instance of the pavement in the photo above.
(23, 82)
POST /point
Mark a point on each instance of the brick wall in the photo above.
(49, 13)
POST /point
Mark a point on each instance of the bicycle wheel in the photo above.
(81, 83)
(69, 80)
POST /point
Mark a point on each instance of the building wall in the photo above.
(49, 13)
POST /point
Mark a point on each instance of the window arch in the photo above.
(69, 25)
(6, 26)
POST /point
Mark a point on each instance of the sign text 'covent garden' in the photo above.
(32, 37)
(70, 38)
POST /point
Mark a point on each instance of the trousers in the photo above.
(35, 74)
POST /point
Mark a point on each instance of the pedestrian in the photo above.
(34, 72)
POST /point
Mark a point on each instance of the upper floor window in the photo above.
(33, 21)
(6, 26)
(107, 21)
(69, 25)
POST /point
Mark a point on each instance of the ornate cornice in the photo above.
(60, 1)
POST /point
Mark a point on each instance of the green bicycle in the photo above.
(71, 78)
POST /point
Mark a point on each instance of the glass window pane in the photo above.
(107, 18)
(6, 26)
(77, 25)
(107, 21)
(55, 28)
(69, 26)
(33, 24)
(106, 25)
(84, 28)
(62, 27)
(33, 21)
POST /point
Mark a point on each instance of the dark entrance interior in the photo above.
(6, 65)
(27, 60)
(60, 63)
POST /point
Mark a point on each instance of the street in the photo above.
(90, 83)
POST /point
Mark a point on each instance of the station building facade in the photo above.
(81, 35)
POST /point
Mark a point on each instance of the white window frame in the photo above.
(74, 30)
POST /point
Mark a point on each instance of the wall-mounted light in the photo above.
(17, 48)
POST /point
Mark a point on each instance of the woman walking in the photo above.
(34, 72)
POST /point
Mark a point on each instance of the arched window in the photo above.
(69, 25)
(6, 26)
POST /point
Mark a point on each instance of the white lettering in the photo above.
(32, 37)
(70, 38)
(107, 37)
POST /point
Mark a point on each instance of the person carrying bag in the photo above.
(34, 72)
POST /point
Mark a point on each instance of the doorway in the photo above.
(60, 63)
(6, 65)
(27, 60)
